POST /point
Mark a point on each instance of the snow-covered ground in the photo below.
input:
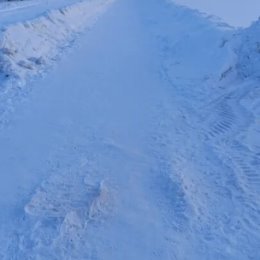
(238, 13)
(27, 46)
(142, 142)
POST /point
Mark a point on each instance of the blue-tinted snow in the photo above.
(142, 143)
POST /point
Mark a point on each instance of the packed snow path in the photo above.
(111, 157)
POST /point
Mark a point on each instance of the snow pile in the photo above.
(26, 48)
(248, 51)
(239, 50)
(189, 40)
(235, 13)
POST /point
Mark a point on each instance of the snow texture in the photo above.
(142, 143)
(237, 13)
(27, 47)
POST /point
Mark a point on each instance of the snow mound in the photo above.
(26, 48)
(60, 213)
(248, 51)
(61, 196)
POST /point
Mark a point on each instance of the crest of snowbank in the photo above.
(26, 48)
(248, 51)
(234, 12)
(240, 50)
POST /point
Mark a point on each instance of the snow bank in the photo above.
(235, 13)
(194, 44)
(235, 51)
(26, 48)
(247, 47)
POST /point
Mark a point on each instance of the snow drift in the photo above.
(248, 51)
(26, 48)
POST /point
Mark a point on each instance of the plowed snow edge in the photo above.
(27, 48)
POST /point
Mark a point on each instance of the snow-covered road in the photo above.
(134, 146)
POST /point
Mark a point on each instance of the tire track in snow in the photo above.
(223, 122)
(207, 132)
(231, 119)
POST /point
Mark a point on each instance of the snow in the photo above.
(248, 48)
(21, 11)
(238, 13)
(25, 48)
(142, 142)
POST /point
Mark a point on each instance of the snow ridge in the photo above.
(26, 48)
(248, 64)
